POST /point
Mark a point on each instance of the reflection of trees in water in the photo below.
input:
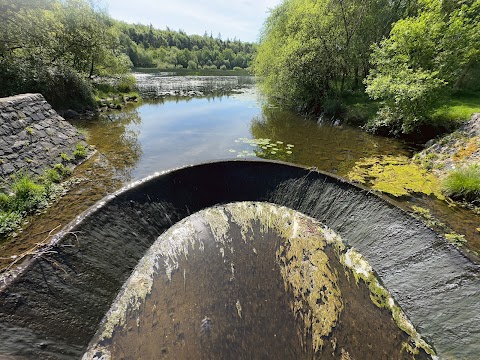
(116, 137)
(330, 148)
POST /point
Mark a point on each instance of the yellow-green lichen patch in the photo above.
(381, 297)
(471, 147)
(303, 263)
(299, 256)
(306, 272)
(395, 175)
(426, 217)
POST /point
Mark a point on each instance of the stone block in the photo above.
(22, 135)
(40, 134)
(19, 144)
(7, 169)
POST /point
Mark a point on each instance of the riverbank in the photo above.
(357, 109)
(38, 150)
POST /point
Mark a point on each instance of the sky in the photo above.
(241, 19)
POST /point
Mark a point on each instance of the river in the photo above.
(185, 120)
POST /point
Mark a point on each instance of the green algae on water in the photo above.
(395, 175)
(265, 148)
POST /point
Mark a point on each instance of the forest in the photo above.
(402, 59)
(56, 47)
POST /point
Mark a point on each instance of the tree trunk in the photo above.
(91, 69)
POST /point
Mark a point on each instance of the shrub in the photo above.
(28, 195)
(9, 221)
(62, 170)
(5, 201)
(464, 184)
(51, 176)
(126, 83)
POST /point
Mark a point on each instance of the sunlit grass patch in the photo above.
(457, 107)
(463, 184)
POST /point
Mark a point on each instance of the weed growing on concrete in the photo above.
(80, 152)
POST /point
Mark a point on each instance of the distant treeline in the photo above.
(150, 47)
(56, 47)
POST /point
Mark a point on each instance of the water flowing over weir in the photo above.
(52, 308)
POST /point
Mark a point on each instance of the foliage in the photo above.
(464, 183)
(456, 239)
(432, 52)
(80, 152)
(359, 107)
(28, 194)
(148, 47)
(53, 46)
(397, 176)
(312, 50)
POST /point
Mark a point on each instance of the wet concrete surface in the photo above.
(52, 308)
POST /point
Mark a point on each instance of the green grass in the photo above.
(115, 90)
(454, 108)
(359, 107)
(464, 184)
(457, 107)
(28, 194)
(80, 152)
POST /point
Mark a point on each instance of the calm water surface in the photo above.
(225, 118)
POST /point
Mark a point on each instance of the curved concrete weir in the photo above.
(251, 281)
(52, 308)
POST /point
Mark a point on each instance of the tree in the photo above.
(424, 55)
(52, 46)
(309, 49)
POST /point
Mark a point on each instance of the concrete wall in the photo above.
(33, 135)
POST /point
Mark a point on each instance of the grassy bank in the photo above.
(29, 194)
(457, 107)
(25, 194)
(451, 111)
